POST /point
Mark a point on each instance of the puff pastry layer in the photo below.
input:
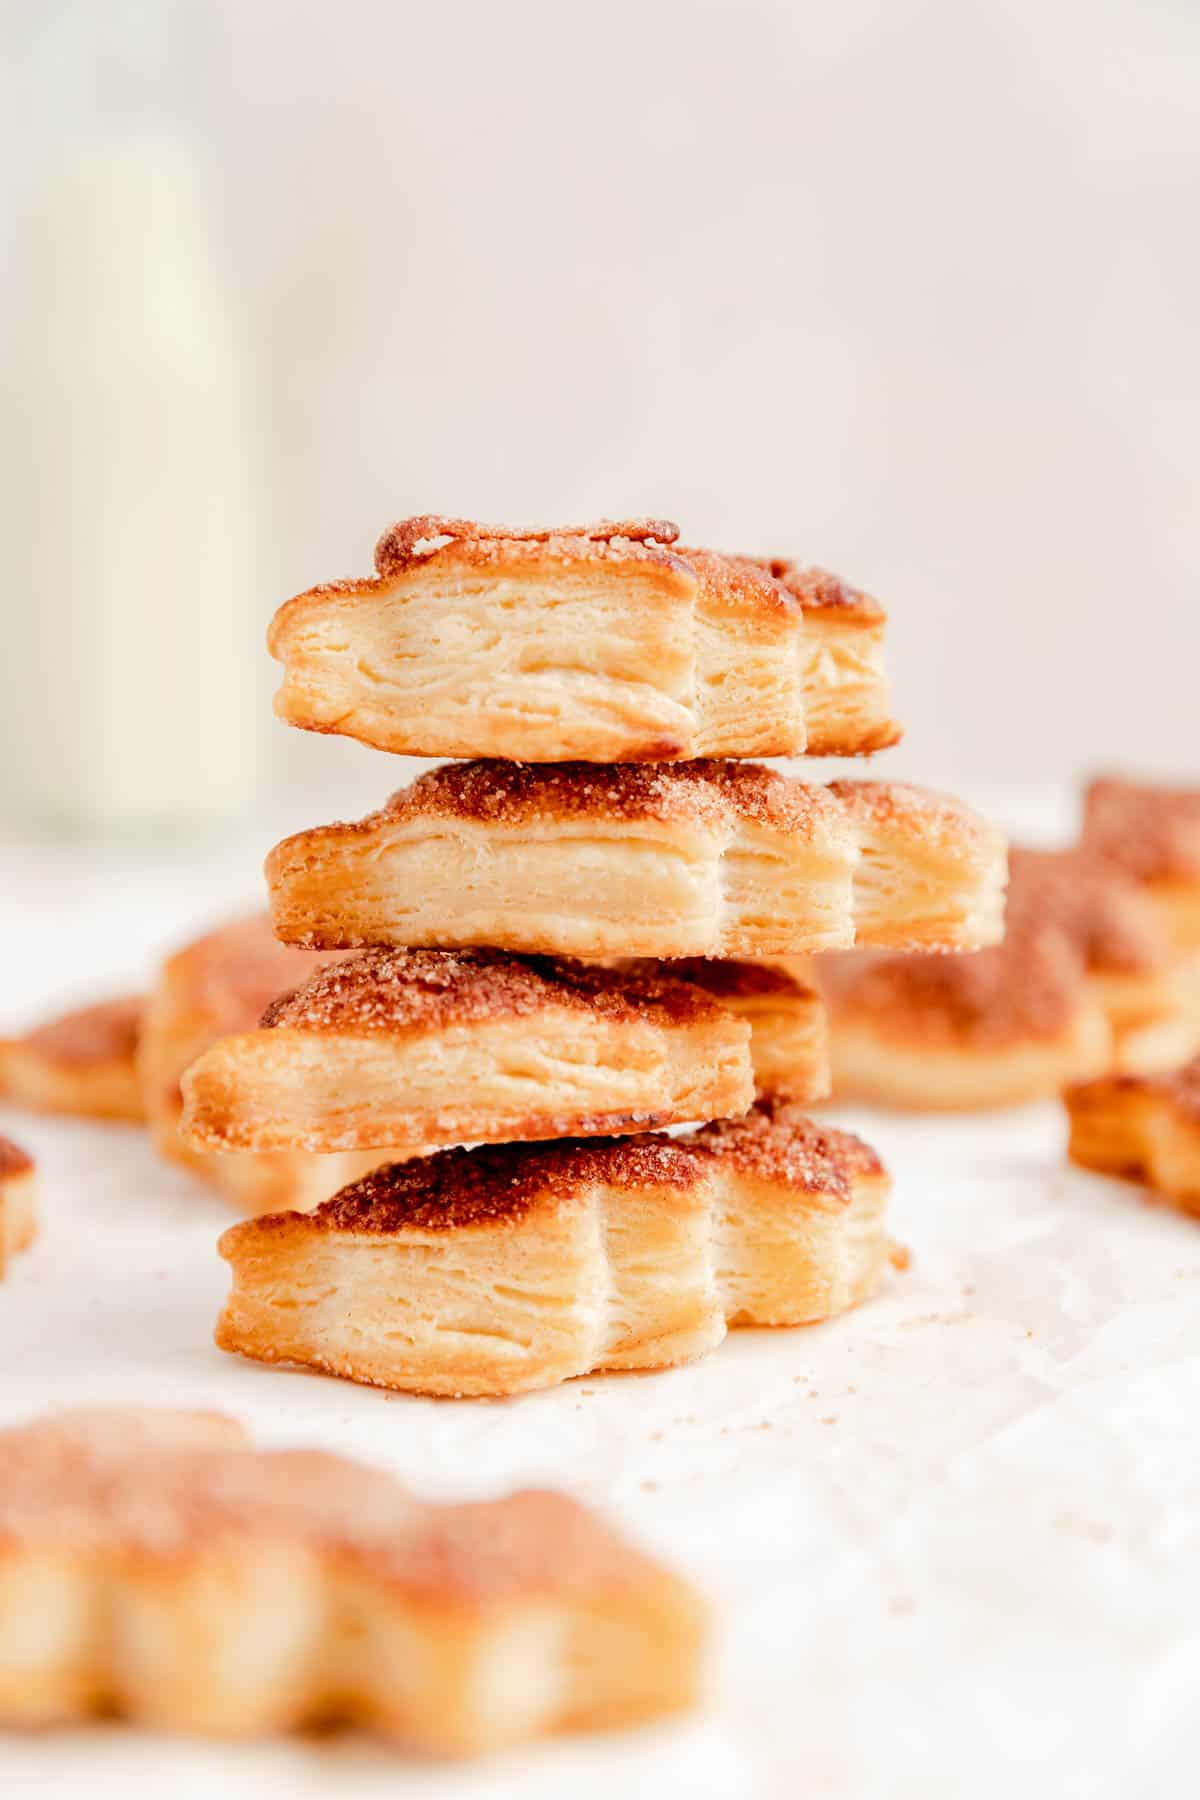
(691, 859)
(1143, 1127)
(789, 1038)
(416, 1048)
(607, 643)
(18, 1201)
(82, 1063)
(1152, 834)
(214, 986)
(159, 1567)
(496, 1271)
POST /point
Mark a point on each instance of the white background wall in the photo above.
(909, 289)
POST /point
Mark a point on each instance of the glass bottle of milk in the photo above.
(130, 636)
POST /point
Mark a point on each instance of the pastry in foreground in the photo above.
(83, 1062)
(964, 1033)
(496, 1271)
(414, 1049)
(1143, 1127)
(18, 1201)
(1151, 833)
(215, 985)
(669, 859)
(607, 643)
(158, 1567)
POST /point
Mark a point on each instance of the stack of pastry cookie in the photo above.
(533, 931)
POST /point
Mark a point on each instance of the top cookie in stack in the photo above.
(606, 685)
(606, 644)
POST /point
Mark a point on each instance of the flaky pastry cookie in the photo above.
(1152, 833)
(82, 1063)
(671, 859)
(414, 1049)
(1130, 967)
(608, 643)
(789, 1038)
(495, 1271)
(963, 1033)
(18, 1201)
(841, 655)
(214, 986)
(1143, 1127)
(159, 1567)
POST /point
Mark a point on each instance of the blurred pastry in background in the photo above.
(220, 984)
(1000, 1027)
(1143, 1128)
(1085, 981)
(1152, 834)
(82, 1062)
(18, 1201)
(410, 1050)
(159, 1566)
(604, 643)
(1146, 989)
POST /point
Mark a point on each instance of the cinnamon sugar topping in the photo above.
(1101, 911)
(816, 590)
(1152, 833)
(107, 1032)
(13, 1160)
(705, 791)
(116, 1484)
(412, 540)
(725, 979)
(496, 1185)
(384, 990)
(778, 1143)
(499, 1185)
(1031, 986)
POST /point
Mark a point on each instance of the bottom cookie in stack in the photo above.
(504, 1269)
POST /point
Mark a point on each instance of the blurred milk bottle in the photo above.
(131, 631)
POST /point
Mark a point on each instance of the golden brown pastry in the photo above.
(841, 654)
(418, 1048)
(214, 986)
(671, 859)
(82, 1063)
(609, 643)
(514, 1267)
(789, 1038)
(18, 1201)
(1152, 833)
(964, 1033)
(159, 1567)
(1130, 967)
(1143, 1127)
